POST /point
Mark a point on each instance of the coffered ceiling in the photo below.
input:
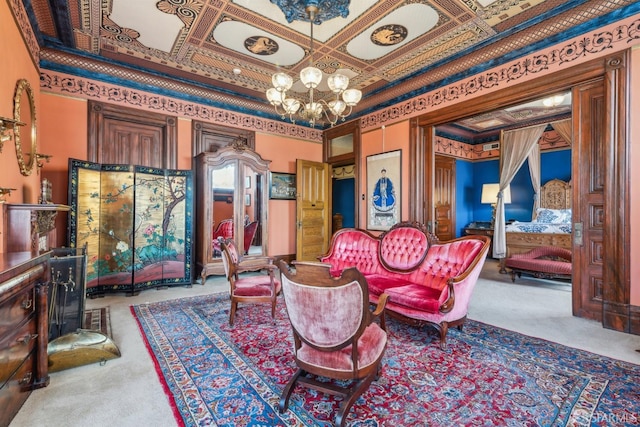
(229, 49)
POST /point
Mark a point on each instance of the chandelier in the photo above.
(336, 109)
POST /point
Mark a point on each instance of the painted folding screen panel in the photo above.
(136, 222)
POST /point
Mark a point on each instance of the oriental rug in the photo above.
(219, 375)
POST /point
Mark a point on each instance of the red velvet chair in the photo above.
(223, 230)
(249, 234)
(256, 288)
(333, 331)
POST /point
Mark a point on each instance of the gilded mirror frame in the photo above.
(23, 87)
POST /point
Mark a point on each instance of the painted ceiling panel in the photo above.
(390, 49)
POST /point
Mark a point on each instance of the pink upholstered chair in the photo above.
(256, 288)
(333, 331)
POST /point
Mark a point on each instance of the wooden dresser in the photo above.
(23, 329)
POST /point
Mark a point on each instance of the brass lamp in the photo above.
(490, 195)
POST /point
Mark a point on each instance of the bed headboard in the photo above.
(555, 194)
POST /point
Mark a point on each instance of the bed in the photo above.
(550, 227)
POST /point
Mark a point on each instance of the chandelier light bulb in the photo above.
(337, 107)
(274, 96)
(282, 81)
(291, 106)
(338, 82)
(310, 77)
(352, 96)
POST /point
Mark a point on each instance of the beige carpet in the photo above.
(126, 391)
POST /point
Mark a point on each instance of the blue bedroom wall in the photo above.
(471, 175)
(344, 191)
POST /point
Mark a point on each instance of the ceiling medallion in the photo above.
(296, 10)
(388, 35)
(261, 45)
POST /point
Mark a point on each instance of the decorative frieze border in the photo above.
(550, 140)
(30, 40)
(609, 39)
(69, 85)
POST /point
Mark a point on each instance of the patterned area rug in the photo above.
(233, 376)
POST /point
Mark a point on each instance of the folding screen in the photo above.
(136, 222)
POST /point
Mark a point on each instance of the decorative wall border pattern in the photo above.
(550, 140)
(30, 39)
(610, 39)
(69, 85)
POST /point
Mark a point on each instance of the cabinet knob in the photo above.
(27, 304)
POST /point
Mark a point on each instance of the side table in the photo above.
(472, 229)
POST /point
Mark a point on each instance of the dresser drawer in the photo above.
(15, 348)
(16, 309)
(16, 390)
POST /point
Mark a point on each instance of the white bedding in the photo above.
(538, 227)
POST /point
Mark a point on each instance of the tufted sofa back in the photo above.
(403, 249)
(449, 259)
(352, 247)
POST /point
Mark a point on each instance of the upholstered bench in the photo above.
(427, 281)
(545, 262)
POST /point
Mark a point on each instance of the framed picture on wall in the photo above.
(384, 190)
(282, 186)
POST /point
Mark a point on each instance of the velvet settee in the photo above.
(428, 282)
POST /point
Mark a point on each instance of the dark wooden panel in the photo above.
(119, 135)
(208, 137)
(589, 104)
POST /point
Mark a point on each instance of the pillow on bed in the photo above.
(554, 216)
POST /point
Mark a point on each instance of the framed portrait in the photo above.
(384, 190)
(282, 186)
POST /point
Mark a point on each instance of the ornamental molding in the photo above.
(607, 40)
(69, 85)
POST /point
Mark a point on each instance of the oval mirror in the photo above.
(24, 110)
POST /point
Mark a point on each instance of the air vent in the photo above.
(492, 146)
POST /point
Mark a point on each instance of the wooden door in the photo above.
(444, 193)
(588, 195)
(313, 209)
(119, 135)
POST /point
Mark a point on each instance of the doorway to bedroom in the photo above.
(598, 124)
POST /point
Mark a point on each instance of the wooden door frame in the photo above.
(348, 159)
(617, 311)
(99, 110)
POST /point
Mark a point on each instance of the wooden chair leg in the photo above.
(288, 389)
(356, 390)
(232, 312)
(444, 328)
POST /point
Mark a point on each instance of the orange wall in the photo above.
(283, 153)
(390, 138)
(16, 64)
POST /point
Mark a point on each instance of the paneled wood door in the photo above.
(313, 209)
(120, 135)
(588, 194)
(444, 193)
